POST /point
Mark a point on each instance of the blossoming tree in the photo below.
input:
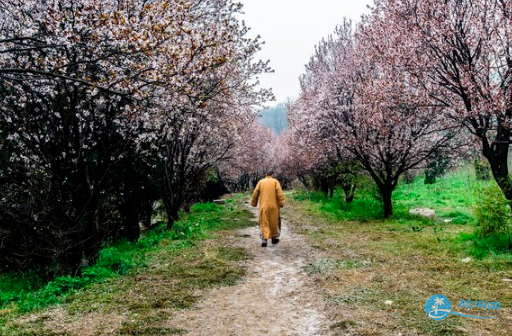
(360, 98)
(462, 50)
(100, 99)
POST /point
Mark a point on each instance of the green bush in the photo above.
(205, 207)
(493, 214)
(481, 247)
(30, 290)
(154, 236)
(482, 170)
(116, 260)
(187, 228)
(301, 195)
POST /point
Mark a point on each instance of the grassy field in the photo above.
(378, 274)
(134, 288)
(375, 275)
(452, 197)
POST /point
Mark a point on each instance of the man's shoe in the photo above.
(263, 243)
(275, 240)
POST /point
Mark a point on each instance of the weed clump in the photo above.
(493, 214)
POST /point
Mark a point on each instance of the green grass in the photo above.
(454, 198)
(366, 261)
(122, 265)
(365, 206)
(25, 292)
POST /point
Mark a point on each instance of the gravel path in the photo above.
(276, 298)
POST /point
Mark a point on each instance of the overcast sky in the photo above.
(291, 29)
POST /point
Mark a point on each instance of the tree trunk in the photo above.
(146, 212)
(386, 193)
(93, 240)
(324, 187)
(71, 260)
(350, 190)
(331, 191)
(505, 184)
(172, 211)
(172, 217)
(131, 221)
(497, 156)
(303, 178)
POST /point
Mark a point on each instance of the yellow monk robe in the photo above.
(271, 198)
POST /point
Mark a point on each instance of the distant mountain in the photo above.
(274, 118)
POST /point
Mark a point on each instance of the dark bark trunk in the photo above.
(388, 205)
(172, 217)
(386, 192)
(146, 213)
(72, 259)
(131, 222)
(497, 156)
(172, 211)
(324, 188)
(386, 185)
(350, 190)
(93, 239)
(505, 184)
(304, 180)
(331, 191)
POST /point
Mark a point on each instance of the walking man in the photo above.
(271, 199)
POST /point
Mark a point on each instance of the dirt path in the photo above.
(277, 297)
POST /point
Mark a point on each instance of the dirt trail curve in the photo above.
(276, 298)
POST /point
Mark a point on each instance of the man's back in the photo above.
(269, 193)
(271, 197)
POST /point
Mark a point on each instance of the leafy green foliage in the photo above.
(481, 247)
(27, 291)
(436, 167)
(471, 215)
(492, 212)
(482, 169)
(363, 208)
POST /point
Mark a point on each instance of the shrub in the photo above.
(436, 166)
(493, 214)
(481, 247)
(482, 170)
(187, 228)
